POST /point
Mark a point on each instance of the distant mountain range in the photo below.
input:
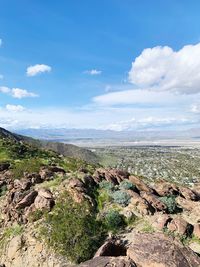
(64, 135)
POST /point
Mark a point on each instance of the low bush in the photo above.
(106, 185)
(102, 198)
(121, 197)
(113, 220)
(30, 165)
(72, 229)
(126, 185)
(170, 202)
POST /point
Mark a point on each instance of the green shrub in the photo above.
(170, 202)
(121, 197)
(30, 165)
(114, 221)
(36, 215)
(3, 190)
(102, 198)
(72, 229)
(106, 185)
(126, 185)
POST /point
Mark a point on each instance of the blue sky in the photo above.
(108, 64)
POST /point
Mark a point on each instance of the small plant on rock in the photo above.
(126, 185)
(170, 202)
(114, 220)
(121, 197)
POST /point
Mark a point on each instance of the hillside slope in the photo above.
(67, 150)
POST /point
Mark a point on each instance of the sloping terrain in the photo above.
(67, 150)
(59, 211)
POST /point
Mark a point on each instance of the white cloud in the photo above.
(17, 92)
(93, 72)
(15, 108)
(149, 123)
(143, 97)
(4, 90)
(195, 108)
(163, 69)
(37, 69)
(21, 93)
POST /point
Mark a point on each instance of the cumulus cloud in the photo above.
(21, 93)
(93, 72)
(15, 108)
(17, 92)
(37, 69)
(162, 68)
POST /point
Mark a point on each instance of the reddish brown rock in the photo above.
(196, 230)
(140, 204)
(157, 250)
(27, 200)
(154, 201)
(109, 262)
(114, 176)
(140, 185)
(44, 200)
(164, 189)
(188, 193)
(160, 221)
(180, 226)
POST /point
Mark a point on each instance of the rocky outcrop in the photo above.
(140, 185)
(139, 204)
(109, 262)
(154, 201)
(159, 221)
(180, 226)
(156, 250)
(114, 176)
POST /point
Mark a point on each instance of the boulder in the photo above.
(140, 185)
(154, 201)
(180, 226)
(27, 200)
(165, 189)
(160, 221)
(114, 176)
(157, 250)
(188, 193)
(109, 262)
(110, 248)
(44, 200)
(196, 230)
(139, 204)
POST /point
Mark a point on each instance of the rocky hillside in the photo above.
(67, 150)
(58, 211)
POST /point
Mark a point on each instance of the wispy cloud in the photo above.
(37, 69)
(93, 72)
(15, 108)
(1, 77)
(1, 42)
(17, 92)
